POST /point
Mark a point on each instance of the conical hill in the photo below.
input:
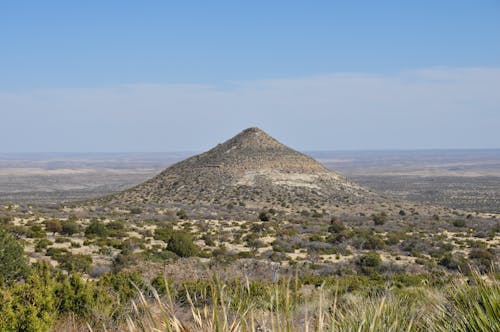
(250, 169)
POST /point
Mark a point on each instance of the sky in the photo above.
(159, 76)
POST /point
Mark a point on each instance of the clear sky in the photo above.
(185, 75)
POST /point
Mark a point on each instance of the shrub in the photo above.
(69, 227)
(336, 226)
(96, 228)
(368, 241)
(164, 233)
(380, 218)
(42, 244)
(181, 214)
(31, 305)
(13, 263)
(371, 259)
(53, 225)
(452, 262)
(123, 259)
(209, 240)
(76, 262)
(394, 238)
(36, 232)
(56, 253)
(483, 257)
(116, 229)
(459, 223)
(182, 244)
(264, 216)
(135, 210)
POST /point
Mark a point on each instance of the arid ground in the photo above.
(468, 179)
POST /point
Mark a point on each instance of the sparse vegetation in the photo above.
(254, 257)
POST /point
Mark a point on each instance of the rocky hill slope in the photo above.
(251, 169)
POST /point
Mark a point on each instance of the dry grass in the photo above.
(460, 307)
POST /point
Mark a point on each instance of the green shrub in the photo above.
(181, 214)
(76, 262)
(368, 240)
(61, 239)
(70, 227)
(123, 259)
(136, 210)
(483, 258)
(116, 229)
(371, 259)
(13, 263)
(36, 232)
(31, 305)
(53, 225)
(96, 228)
(182, 245)
(163, 233)
(56, 253)
(459, 223)
(209, 240)
(453, 262)
(336, 226)
(42, 244)
(379, 218)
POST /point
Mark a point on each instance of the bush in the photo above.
(164, 233)
(69, 227)
(123, 259)
(380, 218)
(459, 223)
(42, 244)
(209, 240)
(182, 245)
(31, 305)
(135, 210)
(53, 225)
(96, 228)
(453, 263)
(394, 238)
(336, 226)
(116, 229)
(368, 240)
(56, 253)
(371, 259)
(13, 263)
(76, 262)
(182, 214)
(36, 232)
(483, 258)
(264, 216)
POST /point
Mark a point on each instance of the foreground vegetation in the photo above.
(51, 300)
(391, 270)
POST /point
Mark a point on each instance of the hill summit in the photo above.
(251, 169)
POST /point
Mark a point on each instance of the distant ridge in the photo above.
(251, 169)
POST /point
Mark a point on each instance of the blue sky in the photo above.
(165, 75)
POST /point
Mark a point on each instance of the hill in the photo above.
(251, 169)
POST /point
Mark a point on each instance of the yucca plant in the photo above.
(281, 307)
(473, 305)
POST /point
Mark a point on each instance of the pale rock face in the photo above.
(278, 178)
